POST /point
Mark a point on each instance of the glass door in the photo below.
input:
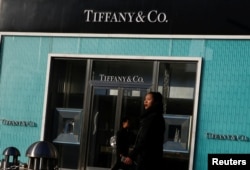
(108, 106)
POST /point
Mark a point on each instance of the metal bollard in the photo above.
(42, 156)
(7, 163)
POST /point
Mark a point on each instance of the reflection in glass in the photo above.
(177, 133)
(68, 125)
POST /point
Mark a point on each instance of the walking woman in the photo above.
(148, 149)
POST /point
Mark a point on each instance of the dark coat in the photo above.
(148, 150)
(124, 139)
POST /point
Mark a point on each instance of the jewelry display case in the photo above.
(67, 125)
(177, 133)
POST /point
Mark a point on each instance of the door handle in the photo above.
(95, 121)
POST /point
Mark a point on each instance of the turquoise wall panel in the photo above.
(125, 46)
(224, 90)
(65, 45)
(111, 46)
(22, 80)
(223, 107)
(190, 48)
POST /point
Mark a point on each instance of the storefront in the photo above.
(88, 95)
(70, 78)
(41, 87)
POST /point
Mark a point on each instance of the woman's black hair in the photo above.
(157, 101)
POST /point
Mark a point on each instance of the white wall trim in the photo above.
(125, 57)
(195, 114)
(45, 99)
(153, 36)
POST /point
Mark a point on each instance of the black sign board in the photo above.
(206, 17)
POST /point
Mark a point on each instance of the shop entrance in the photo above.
(108, 106)
(87, 96)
